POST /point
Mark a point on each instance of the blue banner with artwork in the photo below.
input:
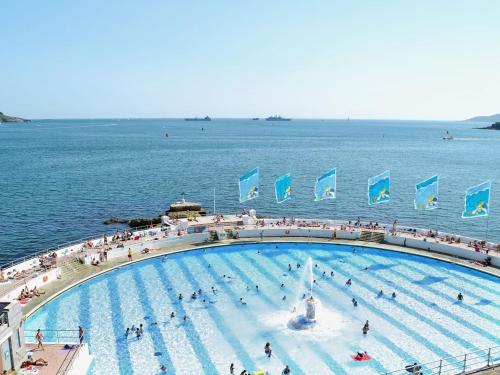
(477, 201)
(379, 188)
(249, 185)
(326, 186)
(283, 188)
(426, 194)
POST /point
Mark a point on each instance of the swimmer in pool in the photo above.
(460, 297)
(172, 314)
(180, 297)
(268, 350)
(348, 282)
(393, 295)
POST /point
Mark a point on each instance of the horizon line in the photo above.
(251, 118)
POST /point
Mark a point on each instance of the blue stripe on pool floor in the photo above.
(384, 340)
(84, 316)
(390, 319)
(444, 312)
(325, 357)
(122, 350)
(434, 324)
(453, 300)
(282, 353)
(156, 335)
(191, 333)
(219, 321)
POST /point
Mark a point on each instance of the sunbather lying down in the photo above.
(38, 362)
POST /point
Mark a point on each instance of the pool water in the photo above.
(424, 322)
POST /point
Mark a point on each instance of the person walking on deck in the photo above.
(39, 339)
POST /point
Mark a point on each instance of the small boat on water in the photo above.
(277, 118)
(206, 118)
(448, 136)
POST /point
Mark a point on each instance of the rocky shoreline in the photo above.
(495, 126)
(178, 210)
(5, 118)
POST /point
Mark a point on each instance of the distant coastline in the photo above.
(490, 119)
(5, 118)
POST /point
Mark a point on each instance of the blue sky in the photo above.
(318, 59)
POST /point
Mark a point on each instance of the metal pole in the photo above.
(214, 200)
(487, 226)
(465, 362)
(436, 219)
(440, 365)
(489, 358)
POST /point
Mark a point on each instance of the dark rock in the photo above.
(495, 126)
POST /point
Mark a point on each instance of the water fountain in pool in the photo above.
(305, 318)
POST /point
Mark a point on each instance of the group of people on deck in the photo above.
(28, 294)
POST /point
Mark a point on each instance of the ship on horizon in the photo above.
(277, 118)
(206, 118)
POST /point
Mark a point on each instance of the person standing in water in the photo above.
(268, 350)
(80, 334)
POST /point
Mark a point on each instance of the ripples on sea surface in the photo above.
(62, 178)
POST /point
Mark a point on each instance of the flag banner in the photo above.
(249, 185)
(326, 186)
(379, 188)
(283, 188)
(426, 194)
(477, 201)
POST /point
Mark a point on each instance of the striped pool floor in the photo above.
(424, 322)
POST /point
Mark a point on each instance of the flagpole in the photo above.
(436, 217)
(487, 226)
(214, 201)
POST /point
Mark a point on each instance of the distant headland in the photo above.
(495, 126)
(5, 118)
(492, 118)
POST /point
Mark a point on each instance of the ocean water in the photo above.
(61, 179)
(423, 323)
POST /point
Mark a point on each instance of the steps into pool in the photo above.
(367, 236)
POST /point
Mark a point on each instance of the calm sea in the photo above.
(61, 179)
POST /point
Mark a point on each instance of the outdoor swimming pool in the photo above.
(423, 323)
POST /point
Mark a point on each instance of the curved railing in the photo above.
(53, 336)
(462, 364)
